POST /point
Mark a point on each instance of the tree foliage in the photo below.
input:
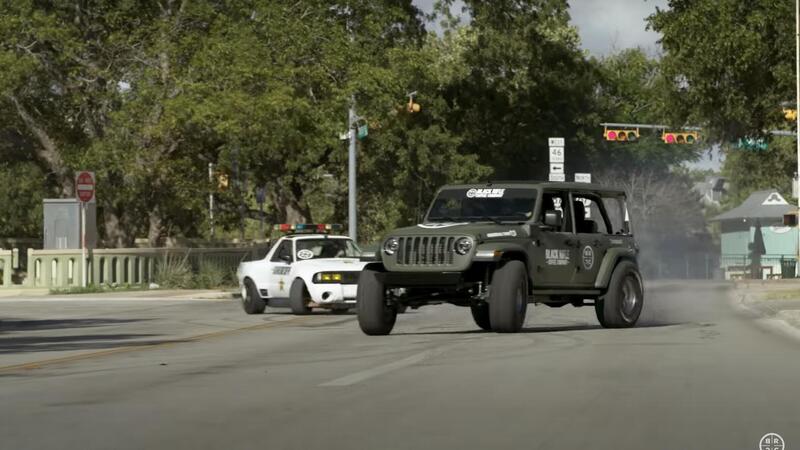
(148, 94)
(730, 64)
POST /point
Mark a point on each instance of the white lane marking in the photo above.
(358, 377)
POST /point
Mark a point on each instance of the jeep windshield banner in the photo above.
(478, 204)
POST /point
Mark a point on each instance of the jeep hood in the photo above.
(481, 230)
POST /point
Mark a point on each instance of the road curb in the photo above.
(759, 317)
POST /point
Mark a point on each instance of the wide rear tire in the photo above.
(508, 297)
(622, 304)
(252, 303)
(299, 297)
(480, 314)
(375, 317)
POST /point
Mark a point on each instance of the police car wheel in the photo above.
(480, 314)
(299, 298)
(251, 300)
(375, 316)
(508, 297)
(622, 304)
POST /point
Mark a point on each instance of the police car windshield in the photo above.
(326, 248)
(482, 204)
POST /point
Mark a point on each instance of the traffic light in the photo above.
(621, 135)
(412, 107)
(790, 114)
(688, 137)
(222, 181)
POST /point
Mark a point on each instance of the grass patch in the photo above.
(788, 294)
(97, 289)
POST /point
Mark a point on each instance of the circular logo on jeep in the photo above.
(588, 257)
(471, 193)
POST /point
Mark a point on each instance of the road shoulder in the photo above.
(773, 305)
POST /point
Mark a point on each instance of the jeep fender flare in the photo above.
(610, 260)
(497, 251)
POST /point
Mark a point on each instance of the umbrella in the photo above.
(756, 250)
(758, 240)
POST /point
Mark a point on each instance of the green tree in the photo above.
(730, 62)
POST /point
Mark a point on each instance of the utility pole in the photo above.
(797, 108)
(351, 178)
(211, 200)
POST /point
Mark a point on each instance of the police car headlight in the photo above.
(390, 246)
(463, 245)
(328, 277)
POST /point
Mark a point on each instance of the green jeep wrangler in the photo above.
(498, 246)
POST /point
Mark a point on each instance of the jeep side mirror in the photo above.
(285, 258)
(552, 218)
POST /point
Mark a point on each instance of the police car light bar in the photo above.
(308, 227)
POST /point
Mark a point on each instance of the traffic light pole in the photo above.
(351, 178)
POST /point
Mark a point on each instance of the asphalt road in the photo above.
(133, 374)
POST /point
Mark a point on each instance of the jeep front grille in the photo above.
(426, 250)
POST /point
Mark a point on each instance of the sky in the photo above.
(605, 25)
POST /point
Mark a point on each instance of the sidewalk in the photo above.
(777, 300)
(145, 294)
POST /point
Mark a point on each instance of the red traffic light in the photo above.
(621, 135)
(671, 137)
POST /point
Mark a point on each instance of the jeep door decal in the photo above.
(588, 257)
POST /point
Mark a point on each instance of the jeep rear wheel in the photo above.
(252, 303)
(508, 297)
(375, 317)
(299, 297)
(480, 313)
(622, 304)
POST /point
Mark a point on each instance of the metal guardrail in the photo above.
(132, 266)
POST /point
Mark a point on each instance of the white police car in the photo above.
(307, 268)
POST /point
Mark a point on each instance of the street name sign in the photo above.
(583, 178)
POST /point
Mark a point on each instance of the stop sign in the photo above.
(84, 186)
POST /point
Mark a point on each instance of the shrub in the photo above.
(174, 273)
(210, 275)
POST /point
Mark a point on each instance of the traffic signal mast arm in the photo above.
(621, 132)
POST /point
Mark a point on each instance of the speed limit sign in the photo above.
(556, 154)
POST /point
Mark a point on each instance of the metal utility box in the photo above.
(62, 224)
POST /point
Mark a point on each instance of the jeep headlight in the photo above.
(390, 246)
(463, 245)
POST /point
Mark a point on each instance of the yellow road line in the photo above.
(116, 350)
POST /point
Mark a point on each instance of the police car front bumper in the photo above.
(329, 294)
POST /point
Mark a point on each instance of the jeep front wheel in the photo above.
(508, 297)
(375, 317)
(621, 305)
(480, 314)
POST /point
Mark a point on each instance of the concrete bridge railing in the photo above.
(132, 266)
